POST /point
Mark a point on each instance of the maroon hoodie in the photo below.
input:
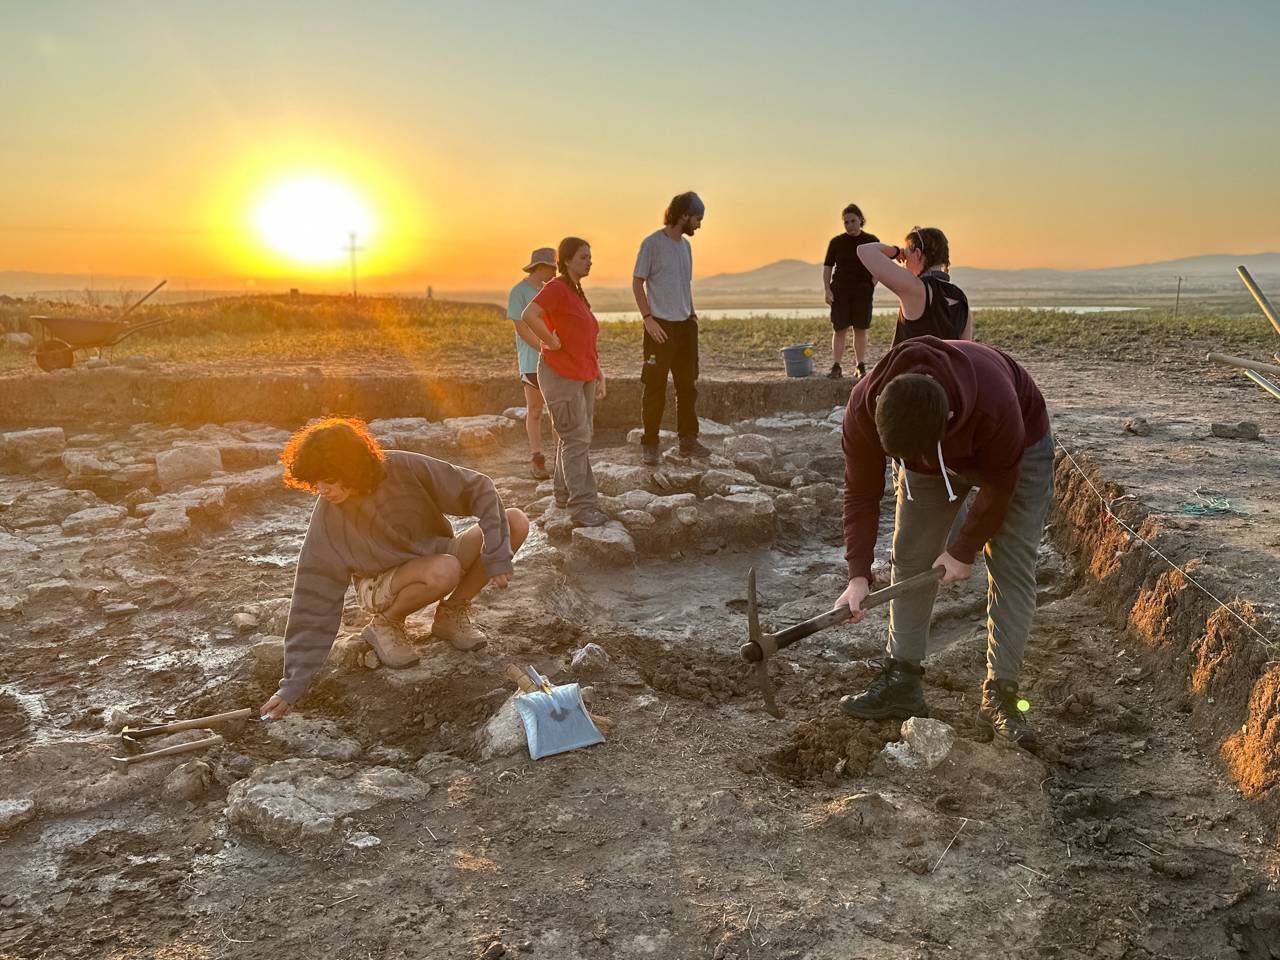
(997, 412)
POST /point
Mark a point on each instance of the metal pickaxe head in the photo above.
(757, 640)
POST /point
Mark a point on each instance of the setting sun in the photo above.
(310, 219)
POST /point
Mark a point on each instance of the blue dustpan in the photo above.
(555, 718)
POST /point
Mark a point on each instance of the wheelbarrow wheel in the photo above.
(54, 355)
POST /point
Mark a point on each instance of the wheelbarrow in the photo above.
(63, 336)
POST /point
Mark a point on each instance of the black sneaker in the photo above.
(897, 693)
(836, 373)
(860, 372)
(649, 454)
(999, 713)
(693, 447)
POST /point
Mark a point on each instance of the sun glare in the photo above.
(310, 219)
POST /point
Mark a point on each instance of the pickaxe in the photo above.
(131, 736)
(761, 646)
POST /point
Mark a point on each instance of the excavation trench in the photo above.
(702, 827)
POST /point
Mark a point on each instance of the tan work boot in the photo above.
(453, 623)
(389, 642)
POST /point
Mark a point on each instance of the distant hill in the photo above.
(1209, 270)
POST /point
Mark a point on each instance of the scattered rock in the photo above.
(723, 481)
(304, 801)
(34, 448)
(1244, 430)
(615, 479)
(190, 781)
(494, 951)
(709, 428)
(50, 591)
(93, 520)
(312, 737)
(82, 465)
(589, 660)
(1138, 426)
(749, 443)
(503, 735)
(636, 435)
(663, 507)
(15, 812)
(244, 622)
(924, 742)
(610, 544)
(119, 611)
(363, 841)
(118, 718)
(19, 341)
(183, 465)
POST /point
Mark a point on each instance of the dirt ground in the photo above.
(701, 827)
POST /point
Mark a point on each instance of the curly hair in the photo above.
(334, 450)
(932, 242)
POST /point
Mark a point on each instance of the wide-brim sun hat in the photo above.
(541, 256)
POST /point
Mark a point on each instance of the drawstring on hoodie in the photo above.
(942, 465)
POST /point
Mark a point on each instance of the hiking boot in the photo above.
(896, 693)
(649, 455)
(999, 713)
(538, 467)
(453, 623)
(388, 640)
(590, 517)
(693, 447)
(836, 373)
(860, 372)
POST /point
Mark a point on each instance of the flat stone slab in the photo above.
(303, 802)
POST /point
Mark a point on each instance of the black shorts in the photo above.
(530, 378)
(851, 311)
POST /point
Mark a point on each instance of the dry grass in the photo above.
(315, 330)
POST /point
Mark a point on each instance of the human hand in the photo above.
(275, 708)
(654, 329)
(955, 570)
(601, 390)
(552, 344)
(830, 297)
(500, 581)
(853, 596)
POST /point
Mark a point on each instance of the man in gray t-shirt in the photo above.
(663, 288)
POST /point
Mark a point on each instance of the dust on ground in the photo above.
(701, 827)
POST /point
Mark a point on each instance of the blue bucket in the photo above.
(799, 359)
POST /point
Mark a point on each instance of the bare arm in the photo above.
(967, 332)
(527, 335)
(532, 318)
(826, 283)
(651, 326)
(908, 287)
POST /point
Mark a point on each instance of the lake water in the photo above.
(822, 313)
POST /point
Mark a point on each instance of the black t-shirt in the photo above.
(946, 311)
(850, 277)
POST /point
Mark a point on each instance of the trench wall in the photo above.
(1210, 665)
(115, 395)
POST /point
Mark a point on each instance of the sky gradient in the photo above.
(141, 138)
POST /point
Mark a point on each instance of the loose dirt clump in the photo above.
(835, 748)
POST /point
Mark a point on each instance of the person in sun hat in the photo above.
(380, 523)
(952, 415)
(540, 268)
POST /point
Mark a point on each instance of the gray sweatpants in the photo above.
(572, 405)
(920, 535)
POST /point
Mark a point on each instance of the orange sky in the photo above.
(143, 140)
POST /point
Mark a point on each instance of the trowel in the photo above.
(555, 718)
(761, 646)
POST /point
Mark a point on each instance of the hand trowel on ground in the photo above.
(555, 718)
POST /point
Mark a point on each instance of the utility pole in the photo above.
(1177, 300)
(351, 248)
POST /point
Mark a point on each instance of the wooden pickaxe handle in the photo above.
(124, 763)
(162, 729)
(752, 652)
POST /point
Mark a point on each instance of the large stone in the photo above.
(266, 658)
(168, 524)
(710, 428)
(723, 481)
(663, 507)
(248, 456)
(189, 781)
(83, 465)
(589, 660)
(303, 801)
(34, 448)
(313, 737)
(748, 443)
(93, 520)
(13, 549)
(19, 341)
(610, 544)
(503, 734)
(615, 479)
(41, 507)
(252, 484)
(925, 743)
(183, 465)
(14, 812)
(635, 500)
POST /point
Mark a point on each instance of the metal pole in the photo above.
(1259, 296)
(1177, 300)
